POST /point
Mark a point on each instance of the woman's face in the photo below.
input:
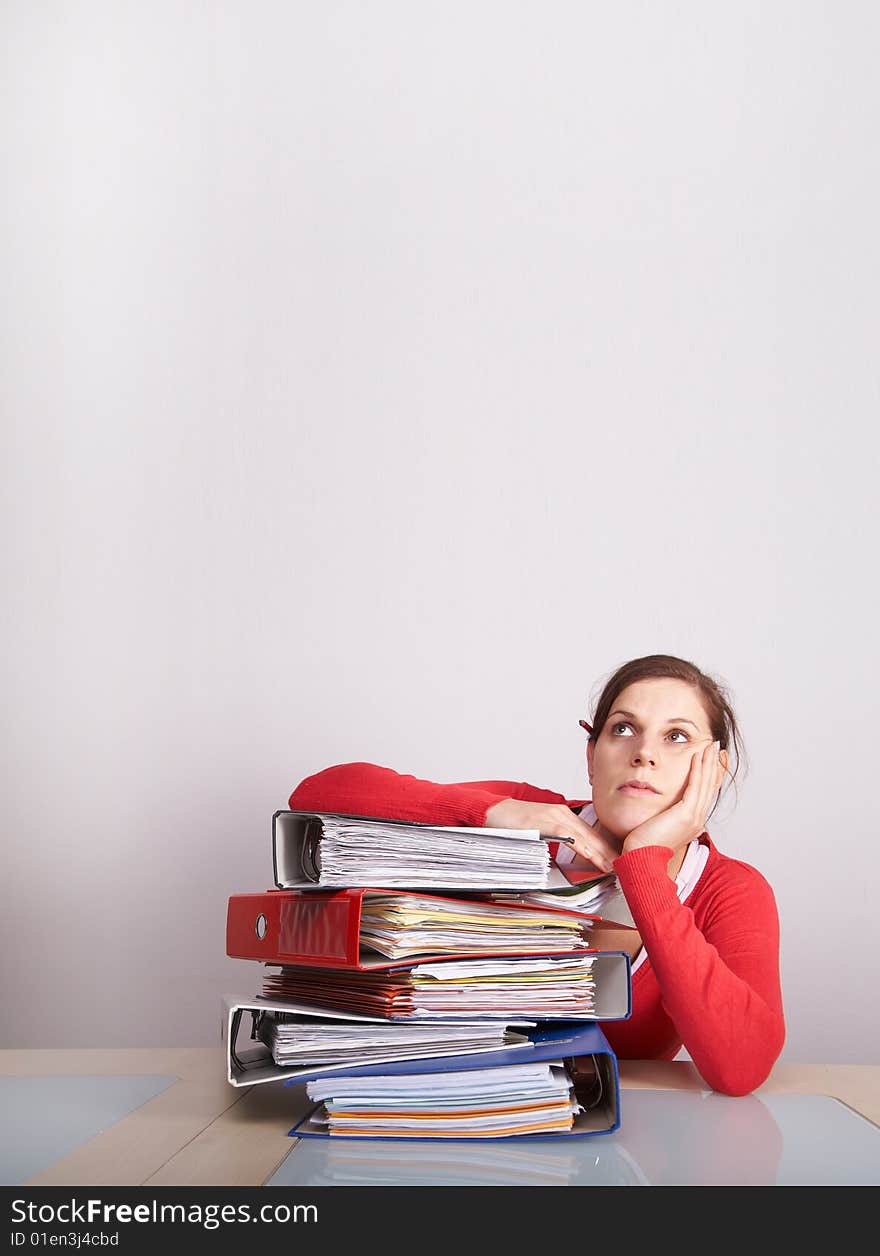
(650, 736)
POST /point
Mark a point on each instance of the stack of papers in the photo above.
(345, 851)
(299, 1042)
(549, 988)
(479, 1103)
(400, 925)
(601, 896)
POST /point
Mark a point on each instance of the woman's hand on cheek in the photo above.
(685, 819)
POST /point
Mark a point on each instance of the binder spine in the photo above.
(296, 849)
(318, 929)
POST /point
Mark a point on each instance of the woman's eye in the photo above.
(679, 735)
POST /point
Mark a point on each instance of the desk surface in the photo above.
(197, 1130)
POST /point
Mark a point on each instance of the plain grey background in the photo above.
(376, 378)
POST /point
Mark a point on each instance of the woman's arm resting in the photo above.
(720, 987)
(366, 789)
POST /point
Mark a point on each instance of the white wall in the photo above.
(376, 379)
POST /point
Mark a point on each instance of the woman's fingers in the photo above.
(590, 844)
(553, 820)
(712, 781)
(702, 783)
(692, 798)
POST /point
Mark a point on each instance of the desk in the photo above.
(199, 1131)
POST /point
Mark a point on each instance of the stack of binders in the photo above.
(427, 1007)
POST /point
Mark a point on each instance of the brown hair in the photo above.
(713, 692)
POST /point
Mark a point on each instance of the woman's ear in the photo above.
(590, 761)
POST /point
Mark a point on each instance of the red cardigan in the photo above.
(710, 981)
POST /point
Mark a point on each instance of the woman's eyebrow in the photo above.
(677, 719)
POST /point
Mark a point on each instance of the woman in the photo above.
(706, 948)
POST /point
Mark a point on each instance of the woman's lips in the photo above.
(638, 791)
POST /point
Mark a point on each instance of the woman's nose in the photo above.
(644, 754)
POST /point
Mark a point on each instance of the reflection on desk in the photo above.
(380, 1162)
(46, 1117)
(666, 1138)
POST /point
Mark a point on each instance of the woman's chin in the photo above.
(621, 815)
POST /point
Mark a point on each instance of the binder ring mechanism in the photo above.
(582, 1071)
(310, 853)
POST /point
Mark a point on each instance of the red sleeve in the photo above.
(368, 790)
(720, 987)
